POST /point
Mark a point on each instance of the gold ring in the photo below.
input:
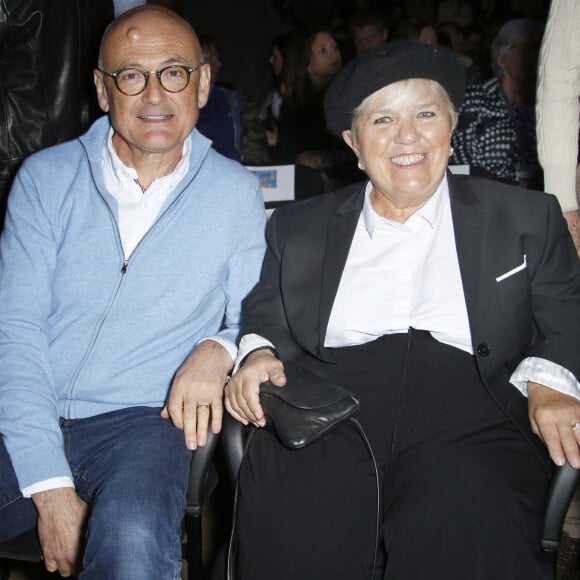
(207, 406)
(576, 426)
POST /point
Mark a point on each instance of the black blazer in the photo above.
(535, 312)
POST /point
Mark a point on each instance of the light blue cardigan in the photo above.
(81, 331)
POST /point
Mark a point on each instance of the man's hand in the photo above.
(197, 392)
(573, 219)
(243, 390)
(552, 415)
(62, 518)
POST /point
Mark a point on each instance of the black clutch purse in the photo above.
(306, 408)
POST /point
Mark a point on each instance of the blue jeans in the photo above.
(131, 467)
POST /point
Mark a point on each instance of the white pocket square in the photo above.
(513, 271)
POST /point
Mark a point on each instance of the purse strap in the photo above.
(248, 439)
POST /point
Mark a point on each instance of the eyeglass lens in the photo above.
(133, 81)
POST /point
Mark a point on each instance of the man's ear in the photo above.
(102, 96)
(204, 85)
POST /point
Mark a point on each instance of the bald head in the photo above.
(138, 27)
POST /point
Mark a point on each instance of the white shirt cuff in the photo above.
(248, 344)
(544, 372)
(46, 485)
(227, 344)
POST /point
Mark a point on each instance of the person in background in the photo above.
(368, 28)
(558, 109)
(270, 110)
(449, 305)
(452, 35)
(124, 260)
(229, 119)
(312, 61)
(421, 31)
(456, 11)
(496, 133)
(46, 89)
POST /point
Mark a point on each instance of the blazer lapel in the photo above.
(470, 224)
(340, 232)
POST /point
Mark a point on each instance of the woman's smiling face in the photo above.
(402, 135)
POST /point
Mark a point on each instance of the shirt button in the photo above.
(145, 204)
(483, 349)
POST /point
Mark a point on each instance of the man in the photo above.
(368, 29)
(122, 251)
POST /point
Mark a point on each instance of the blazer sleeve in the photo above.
(263, 309)
(555, 295)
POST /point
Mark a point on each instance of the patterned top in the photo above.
(495, 135)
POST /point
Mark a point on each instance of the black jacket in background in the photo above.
(48, 49)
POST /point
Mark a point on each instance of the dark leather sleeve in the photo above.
(48, 49)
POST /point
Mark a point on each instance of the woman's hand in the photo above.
(552, 415)
(242, 393)
(573, 220)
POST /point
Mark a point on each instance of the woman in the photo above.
(311, 62)
(436, 299)
(496, 131)
(270, 109)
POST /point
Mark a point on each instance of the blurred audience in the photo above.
(422, 31)
(496, 129)
(456, 11)
(451, 34)
(229, 118)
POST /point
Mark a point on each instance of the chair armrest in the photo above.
(234, 437)
(202, 479)
(560, 495)
(25, 548)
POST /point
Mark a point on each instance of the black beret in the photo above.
(388, 63)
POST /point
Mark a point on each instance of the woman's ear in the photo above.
(350, 141)
(500, 62)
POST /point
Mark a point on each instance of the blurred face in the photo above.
(428, 35)
(402, 139)
(520, 62)
(155, 122)
(366, 36)
(325, 59)
(276, 61)
(211, 55)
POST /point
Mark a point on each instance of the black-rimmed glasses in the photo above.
(132, 81)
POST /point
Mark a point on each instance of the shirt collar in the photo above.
(430, 213)
(123, 173)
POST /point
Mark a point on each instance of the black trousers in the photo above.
(461, 492)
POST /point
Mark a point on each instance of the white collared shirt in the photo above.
(137, 210)
(401, 275)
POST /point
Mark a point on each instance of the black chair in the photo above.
(202, 481)
(562, 488)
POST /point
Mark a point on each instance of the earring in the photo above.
(450, 151)
(361, 166)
